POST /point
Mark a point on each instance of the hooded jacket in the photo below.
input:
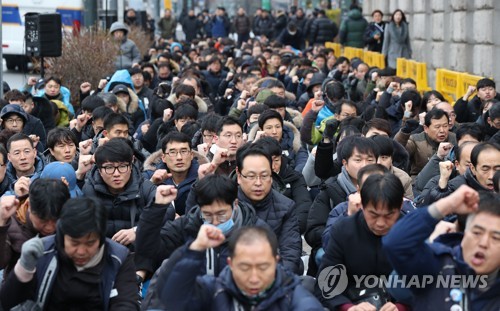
(352, 29)
(410, 254)
(290, 144)
(183, 286)
(125, 208)
(135, 110)
(129, 53)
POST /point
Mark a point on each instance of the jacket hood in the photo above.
(202, 106)
(133, 105)
(118, 26)
(295, 117)
(291, 136)
(355, 14)
(119, 77)
(472, 181)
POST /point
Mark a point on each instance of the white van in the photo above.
(13, 11)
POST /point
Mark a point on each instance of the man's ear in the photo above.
(344, 162)
(229, 262)
(104, 133)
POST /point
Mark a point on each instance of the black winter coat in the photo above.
(279, 213)
(325, 201)
(322, 30)
(158, 239)
(125, 208)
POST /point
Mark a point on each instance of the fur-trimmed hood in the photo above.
(133, 105)
(295, 117)
(202, 105)
(153, 162)
(290, 138)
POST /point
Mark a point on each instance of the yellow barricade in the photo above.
(447, 83)
(402, 67)
(369, 58)
(336, 47)
(464, 80)
(351, 52)
(379, 60)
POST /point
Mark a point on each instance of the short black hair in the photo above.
(249, 234)
(227, 120)
(476, 151)
(379, 124)
(115, 150)
(158, 106)
(385, 189)
(269, 144)
(185, 111)
(334, 90)
(489, 202)
(485, 83)
(19, 137)
(184, 89)
(435, 114)
(347, 102)
(80, 217)
(60, 135)
(174, 136)
(100, 113)
(47, 197)
(385, 145)
(209, 122)
(256, 109)
(274, 101)
(460, 150)
(408, 80)
(215, 187)
(249, 150)
(472, 128)
(113, 119)
(90, 103)
(267, 115)
(415, 98)
(369, 170)
(362, 144)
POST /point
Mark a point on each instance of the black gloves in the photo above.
(410, 126)
(331, 127)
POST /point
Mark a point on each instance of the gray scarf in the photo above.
(345, 182)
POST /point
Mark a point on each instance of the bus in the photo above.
(13, 12)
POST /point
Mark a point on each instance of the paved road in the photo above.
(15, 79)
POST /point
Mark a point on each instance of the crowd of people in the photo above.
(194, 177)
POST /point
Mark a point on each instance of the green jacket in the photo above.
(352, 29)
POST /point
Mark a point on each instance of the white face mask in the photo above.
(292, 33)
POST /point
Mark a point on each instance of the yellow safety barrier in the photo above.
(464, 80)
(336, 47)
(402, 67)
(447, 84)
(351, 52)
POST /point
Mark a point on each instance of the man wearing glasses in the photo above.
(174, 164)
(254, 175)
(217, 205)
(122, 189)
